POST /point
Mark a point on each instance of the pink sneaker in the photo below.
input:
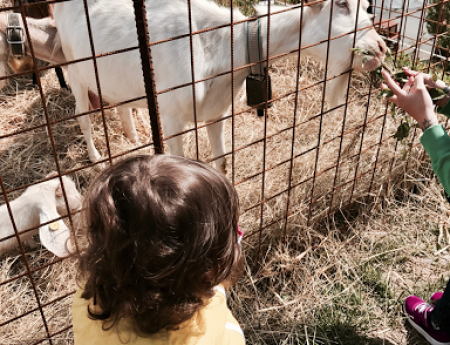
(435, 297)
(418, 313)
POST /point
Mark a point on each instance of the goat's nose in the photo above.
(382, 47)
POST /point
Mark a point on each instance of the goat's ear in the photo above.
(365, 4)
(54, 236)
(52, 174)
(58, 191)
(314, 4)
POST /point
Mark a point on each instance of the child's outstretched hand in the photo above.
(414, 99)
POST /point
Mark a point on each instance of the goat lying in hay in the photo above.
(113, 28)
(39, 204)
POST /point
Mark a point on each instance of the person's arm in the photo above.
(416, 101)
(436, 142)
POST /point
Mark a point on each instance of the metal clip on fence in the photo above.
(15, 35)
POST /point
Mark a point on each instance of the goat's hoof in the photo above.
(221, 165)
(94, 156)
(100, 167)
(95, 159)
(134, 140)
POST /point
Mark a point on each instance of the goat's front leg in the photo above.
(128, 126)
(85, 125)
(82, 106)
(216, 138)
(171, 127)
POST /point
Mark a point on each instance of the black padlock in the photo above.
(257, 92)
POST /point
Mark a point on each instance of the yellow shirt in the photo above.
(214, 325)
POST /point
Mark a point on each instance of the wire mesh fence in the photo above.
(297, 166)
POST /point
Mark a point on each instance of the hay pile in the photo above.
(330, 276)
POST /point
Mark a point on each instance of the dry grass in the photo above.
(340, 280)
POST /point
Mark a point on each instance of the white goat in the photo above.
(40, 204)
(47, 47)
(113, 28)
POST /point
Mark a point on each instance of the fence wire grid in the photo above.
(293, 168)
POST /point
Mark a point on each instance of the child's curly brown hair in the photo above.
(162, 233)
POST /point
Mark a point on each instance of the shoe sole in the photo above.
(419, 329)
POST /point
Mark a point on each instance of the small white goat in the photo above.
(40, 204)
(113, 27)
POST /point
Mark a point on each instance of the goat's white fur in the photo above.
(113, 28)
(39, 204)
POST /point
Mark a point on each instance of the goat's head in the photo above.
(20, 64)
(46, 46)
(54, 236)
(74, 198)
(17, 64)
(344, 15)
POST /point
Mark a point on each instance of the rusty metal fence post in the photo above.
(149, 74)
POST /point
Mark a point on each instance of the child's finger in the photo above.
(391, 84)
(419, 81)
(408, 84)
(409, 72)
(392, 99)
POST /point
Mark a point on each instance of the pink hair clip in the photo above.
(241, 234)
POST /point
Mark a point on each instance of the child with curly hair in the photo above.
(163, 245)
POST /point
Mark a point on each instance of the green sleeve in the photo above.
(436, 142)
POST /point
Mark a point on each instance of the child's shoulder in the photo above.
(214, 324)
(217, 324)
